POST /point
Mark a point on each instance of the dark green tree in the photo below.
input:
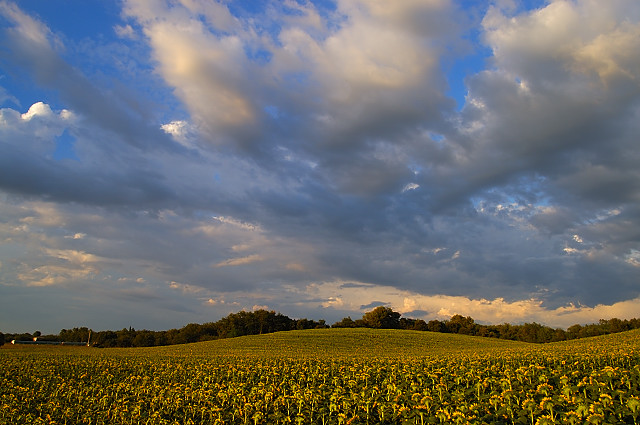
(436, 326)
(303, 324)
(191, 332)
(574, 331)
(104, 339)
(346, 322)
(459, 324)
(420, 325)
(125, 337)
(144, 338)
(382, 318)
(74, 335)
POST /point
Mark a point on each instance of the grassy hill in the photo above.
(340, 343)
(347, 343)
(380, 343)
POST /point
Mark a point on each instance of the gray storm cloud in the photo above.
(317, 147)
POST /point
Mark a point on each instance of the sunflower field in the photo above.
(345, 376)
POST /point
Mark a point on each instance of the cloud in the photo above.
(488, 311)
(545, 102)
(372, 305)
(373, 76)
(6, 97)
(124, 31)
(185, 288)
(36, 129)
(240, 261)
(26, 26)
(61, 268)
(254, 155)
(205, 69)
(29, 45)
(410, 186)
(181, 131)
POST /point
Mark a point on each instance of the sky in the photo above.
(165, 162)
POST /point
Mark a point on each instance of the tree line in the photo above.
(384, 317)
(263, 321)
(233, 325)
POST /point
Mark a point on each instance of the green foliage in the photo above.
(346, 322)
(74, 335)
(313, 377)
(233, 325)
(382, 318)
(253, 323)
(461, 325)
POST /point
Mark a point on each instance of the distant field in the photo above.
(342, 343)
(327, 376)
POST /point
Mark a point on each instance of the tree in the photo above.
(209, 332)
(382, 318)
(558, 335)
(191, 332)
(531, 332)
(420, 325)
(252, 323)
(104, 339)
(436, 326)
(125, 337)
(75, 334)
(305, 323)
(461, 325)
(574, 331)
(506, 331)
(144, 338)
(614, 325)
(346, 322)
(1, 339)
(413, 324)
